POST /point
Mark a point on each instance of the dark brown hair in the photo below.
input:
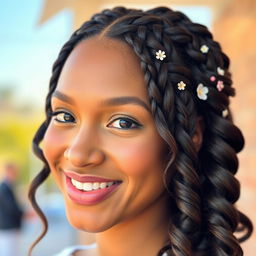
(202, 188)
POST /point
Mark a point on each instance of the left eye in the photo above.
(124, 124)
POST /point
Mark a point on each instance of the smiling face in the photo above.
(102, 127)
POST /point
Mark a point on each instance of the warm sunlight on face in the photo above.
(102, 144)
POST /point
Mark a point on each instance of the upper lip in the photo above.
(85, 177)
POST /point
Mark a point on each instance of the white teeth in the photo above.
(103, 185)
(79, 185)
(110, 183)
(73, 182)
(96, 185)
(89, 186)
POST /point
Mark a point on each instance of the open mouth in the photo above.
(89, 190)
(91, 186)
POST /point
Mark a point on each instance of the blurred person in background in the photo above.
(10, 212)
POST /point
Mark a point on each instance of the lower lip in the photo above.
(89, 197)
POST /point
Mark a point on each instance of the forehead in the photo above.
(102, 65)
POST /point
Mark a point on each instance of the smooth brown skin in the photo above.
(134, 219)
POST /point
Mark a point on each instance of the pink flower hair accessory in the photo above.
(220, 86)
(212, 78)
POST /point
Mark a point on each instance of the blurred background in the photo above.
(31, 35)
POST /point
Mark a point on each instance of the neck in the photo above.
(144, 234)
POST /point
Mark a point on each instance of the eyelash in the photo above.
(56, 113)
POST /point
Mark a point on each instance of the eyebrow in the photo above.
(63, 97)
(117, 101)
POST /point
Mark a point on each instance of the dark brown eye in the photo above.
(124, 124)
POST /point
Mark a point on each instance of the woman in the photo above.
(139, 137)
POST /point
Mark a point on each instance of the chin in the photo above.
(87, 226)
(87, 222)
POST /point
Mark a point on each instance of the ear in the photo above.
(198, 135)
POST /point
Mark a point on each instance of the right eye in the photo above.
(63, 117)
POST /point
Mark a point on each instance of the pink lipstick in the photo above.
(77, 192)
(85, 178)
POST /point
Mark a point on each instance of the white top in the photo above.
(70, 250)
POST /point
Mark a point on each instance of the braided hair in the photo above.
(202, 188)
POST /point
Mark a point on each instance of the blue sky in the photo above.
(27, 50)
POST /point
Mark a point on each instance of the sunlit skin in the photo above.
(134, 219)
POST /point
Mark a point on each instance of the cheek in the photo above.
(53, 148)
(137, 156)
(52, 145)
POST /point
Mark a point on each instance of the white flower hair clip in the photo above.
(202, 92)
(160, 55)
(204, 48)
(225, 113)
(181, 85)
(220, 71)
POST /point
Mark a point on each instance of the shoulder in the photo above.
(70, 250)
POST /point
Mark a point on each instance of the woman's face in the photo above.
(102, 131)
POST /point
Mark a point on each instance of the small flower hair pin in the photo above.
(160, 55)
(220, 86)
(204, 48)
(202, 92)
(225, 113)
(220, 71)
(181, 85)
(212, 78)
(78, 32)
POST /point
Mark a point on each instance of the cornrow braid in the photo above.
(219, 155)
(229, 188)
(201, 185)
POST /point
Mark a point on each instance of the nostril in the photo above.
(81, 158)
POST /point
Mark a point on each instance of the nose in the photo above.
(84, 150)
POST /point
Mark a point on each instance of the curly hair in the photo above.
(202, 188)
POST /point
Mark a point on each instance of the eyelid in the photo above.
(60, 109)
(124, 116)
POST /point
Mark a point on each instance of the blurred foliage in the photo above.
(18, 125)
(16, 133)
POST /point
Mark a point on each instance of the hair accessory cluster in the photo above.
(202, 90)
(220, 83)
